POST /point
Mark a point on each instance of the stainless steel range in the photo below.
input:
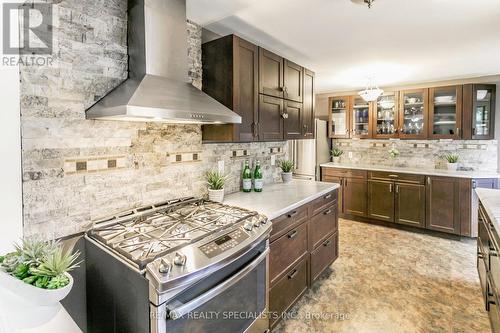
(186, 265)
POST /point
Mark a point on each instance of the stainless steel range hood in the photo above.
(158, 88)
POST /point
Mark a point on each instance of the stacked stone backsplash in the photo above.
(76, 170)
(479, 155)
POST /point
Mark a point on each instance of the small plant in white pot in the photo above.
(215, 181)
(336, 153)
(286, 168)
(451, 161)
(38, 271)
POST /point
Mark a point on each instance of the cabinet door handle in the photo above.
(293, 274)
(473, 131)
(345, 182)
(397, 188)
(328, 212)
(390, 188)
(292, 234)
(458, 131)
(292, 214)
(429, 180)
(328, 196)
(341, 181)
(327, 243)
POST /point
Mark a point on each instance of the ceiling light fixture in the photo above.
(371, 93)
(368, 2)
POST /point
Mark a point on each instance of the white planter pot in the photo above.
(452, 166)
(34, 295)
(216, 195)
(336, 159)
(286, 177)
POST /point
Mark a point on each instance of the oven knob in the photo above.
(256, 223)
(180, 259)
(263, 221)
(165, 267)
(248, 225)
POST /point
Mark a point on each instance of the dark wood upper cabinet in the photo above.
(293, 120)
(386, 116)
(413, 114)
(445, 112)
(309, 104)
(381, 200)
(293, 81)
(478, 118)
(271, 73)
(230, 75)
(410, 204)
(271, 112)
(339, 117)
(443, 204)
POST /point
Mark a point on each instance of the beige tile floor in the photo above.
(388, 280)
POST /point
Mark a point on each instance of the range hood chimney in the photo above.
(158, 88)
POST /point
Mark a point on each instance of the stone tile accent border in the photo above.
(94, 164)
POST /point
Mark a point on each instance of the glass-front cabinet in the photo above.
(339, 117)
(483, 111)
(445, 112)
(386, 116)
(413, 114)
(361, 118)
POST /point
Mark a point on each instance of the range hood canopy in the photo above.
(158, 88)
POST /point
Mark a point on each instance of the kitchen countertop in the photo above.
(279, 198)
(491, 202)
(420, 171)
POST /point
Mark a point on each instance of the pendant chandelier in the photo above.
(371, 93)
(367, 2)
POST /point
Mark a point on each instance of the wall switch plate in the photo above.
(220, 166)
(273, 159)
(350, 154)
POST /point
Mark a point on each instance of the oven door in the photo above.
(235, 303)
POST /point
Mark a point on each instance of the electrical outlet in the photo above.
(350, 154)
(273, 159)
(220, 166)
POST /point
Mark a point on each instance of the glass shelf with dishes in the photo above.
(360, 118)
(413, 117)
(386, 116)
(339, 117)
(445, 112)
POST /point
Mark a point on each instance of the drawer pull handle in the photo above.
(328, 212)
(292, 214)
(292, 234)
(328, 196)
(492, 303)
(493, 253)
(394, 176)
(480, 256)
(293, 274)
(327, 243)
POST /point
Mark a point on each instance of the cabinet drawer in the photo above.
(286, 250)
(288, 290)
(322, 202)
(400, 177)
(322, 225)
(334, 172)
(288, 221)
(324, 255)
(483, 276)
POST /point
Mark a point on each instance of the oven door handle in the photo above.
(176, 312)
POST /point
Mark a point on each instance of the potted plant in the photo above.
(452, 160)
(286, 168)
(215, 181)
(38, 271)
(336, 153)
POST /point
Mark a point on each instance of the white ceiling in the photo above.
(395, 42)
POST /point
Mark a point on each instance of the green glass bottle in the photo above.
(247, 178)
(257, 178)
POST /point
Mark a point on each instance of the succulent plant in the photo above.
(57, 263)
(33, 250)
(286, 165)
(452, 158)
(336, 152)
(215, 180)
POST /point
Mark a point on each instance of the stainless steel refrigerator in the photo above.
(307, 155)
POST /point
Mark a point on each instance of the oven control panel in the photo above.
(223, 243)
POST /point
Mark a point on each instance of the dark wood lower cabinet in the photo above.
(410, 204)
(355, 196)
(303, 243)
(442, 212)
(381, 200)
